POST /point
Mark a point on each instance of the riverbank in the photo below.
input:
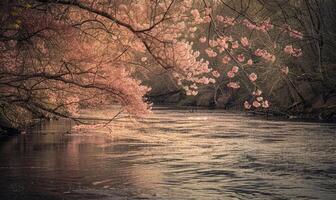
(325, 116)
(5, 132)
(319, 106)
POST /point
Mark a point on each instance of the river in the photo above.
(172, 154)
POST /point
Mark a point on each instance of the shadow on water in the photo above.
(173, 154)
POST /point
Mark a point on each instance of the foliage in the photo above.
(60, 55)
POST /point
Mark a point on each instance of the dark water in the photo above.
(173, 155)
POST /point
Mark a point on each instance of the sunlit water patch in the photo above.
(173, 154)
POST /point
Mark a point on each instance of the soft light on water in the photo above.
(173, 155)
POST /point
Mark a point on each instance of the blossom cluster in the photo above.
(257, 102)
(265, 55)
(296, 52)
(263, 26)
(237, 48)
(292, 32)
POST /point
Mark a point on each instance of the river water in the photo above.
(172, 154)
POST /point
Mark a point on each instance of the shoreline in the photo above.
(305, 117)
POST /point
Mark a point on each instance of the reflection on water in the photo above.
(173, 155)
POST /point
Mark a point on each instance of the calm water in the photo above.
(172, 155)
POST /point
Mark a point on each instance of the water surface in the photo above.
(172, 154)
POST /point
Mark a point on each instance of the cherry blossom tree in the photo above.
(60, 55)
(252, 52)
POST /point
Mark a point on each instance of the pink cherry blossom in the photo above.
(219, 18)
(250, 62)
(216, 74)
(210, 52)
(195, 13)
(207, 19)
(265, 55)
(260, 98)
(235, 69)
(143, 59)
(203, 39)
(247, 105)
(296, 34)
(204, 80)
(263, 26)
(257, 92)
(193, 29)
(229, 21)
(230, 74)
(223, 42)
(253, 77)
(292, 33)
(241, 58)
(221, 49)
(289, 49)
(226, 60)
(194, 93)
(244, 41)
(256, 104)
(265, 104)
(234, 85)
(213, 43)
(211, 80)
(235, 45)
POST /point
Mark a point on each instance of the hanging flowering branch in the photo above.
(245, 51)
